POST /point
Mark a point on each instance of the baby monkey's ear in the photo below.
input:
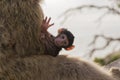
(70, 48)
(61, 30)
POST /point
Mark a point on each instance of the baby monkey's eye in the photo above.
(63, 37)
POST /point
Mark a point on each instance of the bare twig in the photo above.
(108, 41)
(109, 9)
(102, 16)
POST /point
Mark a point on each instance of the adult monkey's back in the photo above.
(20, 22)
(50, 68)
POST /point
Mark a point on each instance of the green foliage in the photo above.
(108, 59)
(99, 61)
(113, 58)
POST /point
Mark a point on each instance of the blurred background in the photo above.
(94, 23)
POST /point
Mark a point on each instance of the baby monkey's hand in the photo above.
(46, 23)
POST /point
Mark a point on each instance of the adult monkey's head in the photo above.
(64, 39)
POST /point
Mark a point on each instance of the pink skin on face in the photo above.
(61, 40)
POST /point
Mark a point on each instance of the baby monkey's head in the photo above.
(64, 39)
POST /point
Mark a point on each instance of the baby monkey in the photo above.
(53, 45)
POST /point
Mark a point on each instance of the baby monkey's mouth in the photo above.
(56, 43)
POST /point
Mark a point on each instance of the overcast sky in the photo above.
(83, 24)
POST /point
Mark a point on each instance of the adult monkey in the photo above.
(43, 67)
(20, 22)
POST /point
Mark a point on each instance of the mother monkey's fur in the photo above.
(20, 20)
(50, 68)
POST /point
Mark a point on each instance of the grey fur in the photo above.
(50, 68)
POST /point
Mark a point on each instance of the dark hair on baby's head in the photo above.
(69, 35)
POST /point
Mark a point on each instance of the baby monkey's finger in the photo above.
(49, 20)
(51, 24)
(45, 19)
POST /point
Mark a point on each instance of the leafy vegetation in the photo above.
(108, 59)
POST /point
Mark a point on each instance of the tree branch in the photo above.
(68, 12)
(111, 9)
(108, 41)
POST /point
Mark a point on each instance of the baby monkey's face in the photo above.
(61, 40)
